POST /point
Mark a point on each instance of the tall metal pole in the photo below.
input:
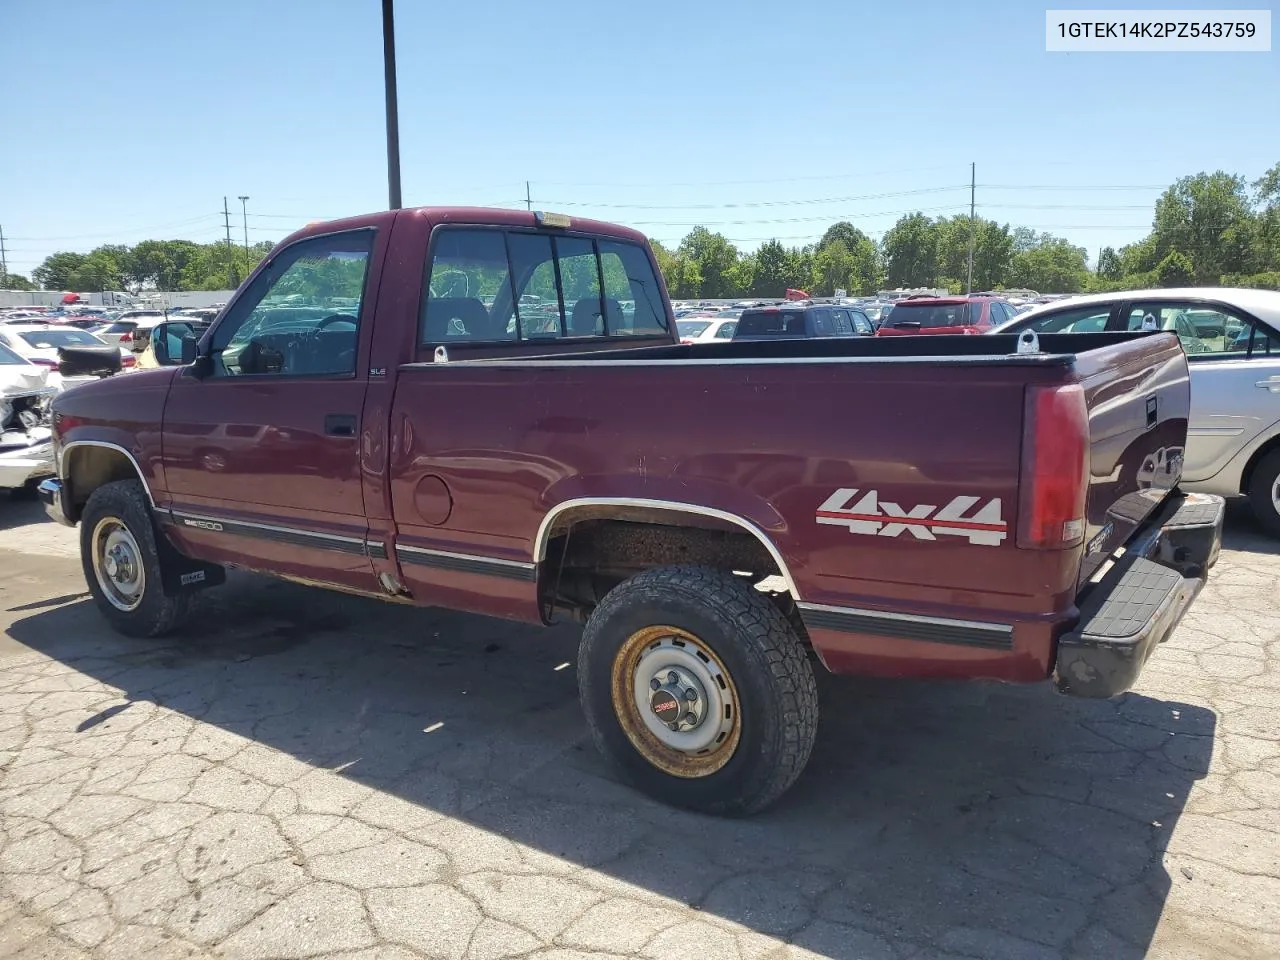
(973, 183)
(244, 213)
(393, 111)
(528, 203)
(231, 265)
(4, 262)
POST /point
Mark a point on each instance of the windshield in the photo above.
(932, 314)
(692, 328)
(8, 357)
(771, 323)
(52, 339)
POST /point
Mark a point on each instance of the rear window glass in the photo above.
(488, 284)
(771, 323)
(49, 339)
(121, 326)
(691, 328)
(932, 314)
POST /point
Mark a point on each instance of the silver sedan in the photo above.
(1232, 340)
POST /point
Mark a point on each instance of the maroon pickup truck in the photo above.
(490, 411)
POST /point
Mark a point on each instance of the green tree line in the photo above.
(1208, 229)
(152, 264)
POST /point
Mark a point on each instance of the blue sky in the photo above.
(133, 119)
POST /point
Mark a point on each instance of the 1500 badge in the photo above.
(879, 518)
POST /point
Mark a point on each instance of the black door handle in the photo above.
(340, 424)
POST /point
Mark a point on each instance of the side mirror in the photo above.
(173, 343)
(160, 345)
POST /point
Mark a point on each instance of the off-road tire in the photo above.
(158, 613)
(778, 696)
(1261, 482)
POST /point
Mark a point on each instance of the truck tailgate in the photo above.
(1138, 395)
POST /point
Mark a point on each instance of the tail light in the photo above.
(126, 337)
(1055, 467)
(127, 361)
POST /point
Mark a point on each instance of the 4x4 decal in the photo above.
(879, 518)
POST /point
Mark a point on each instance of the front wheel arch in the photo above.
(86, 465)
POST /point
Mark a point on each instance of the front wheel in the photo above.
(122, 563)
(698, 689)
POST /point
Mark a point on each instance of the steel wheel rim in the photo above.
(1275, 495)
(117, 564)
(696, 749)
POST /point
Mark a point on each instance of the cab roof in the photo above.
(478, 216)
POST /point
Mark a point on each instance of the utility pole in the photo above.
(973, 184)
(393, 112)
(231, 267)
(4, 262)
(244, 212)
(528, 203)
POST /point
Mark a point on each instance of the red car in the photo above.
(970, 315)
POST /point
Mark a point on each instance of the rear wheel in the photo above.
(697, 687)
(1264, 492)
(122, 564)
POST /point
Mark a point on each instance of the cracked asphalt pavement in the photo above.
(304, 774)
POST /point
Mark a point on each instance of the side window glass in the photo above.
(844, 326)
(533, 271)
(468, 294)
(1202, 330)
(302, 314)
(1265, 342)
(580, 280)
(631, 290)
(1080, 320)
(726, 330)
(821, 323)
(862, 323)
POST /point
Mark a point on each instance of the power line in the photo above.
(826, 217)
(1078, 186)
(750, 203)
(735, 183)
(1064, 206)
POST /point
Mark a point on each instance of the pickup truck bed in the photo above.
(927, 507)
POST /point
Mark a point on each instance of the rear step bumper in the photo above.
(1139, 601)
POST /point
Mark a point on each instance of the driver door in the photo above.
(262, 455)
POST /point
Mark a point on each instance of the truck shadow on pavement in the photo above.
(977, 819)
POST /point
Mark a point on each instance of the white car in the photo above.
(26, 442)
(1232, 341)
(704, 329)
(131, 326)
(39, 343)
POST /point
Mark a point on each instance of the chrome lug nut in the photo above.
(655, 684)
(673, 725)
(691, 695)
(673, 677)
(690, 718)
